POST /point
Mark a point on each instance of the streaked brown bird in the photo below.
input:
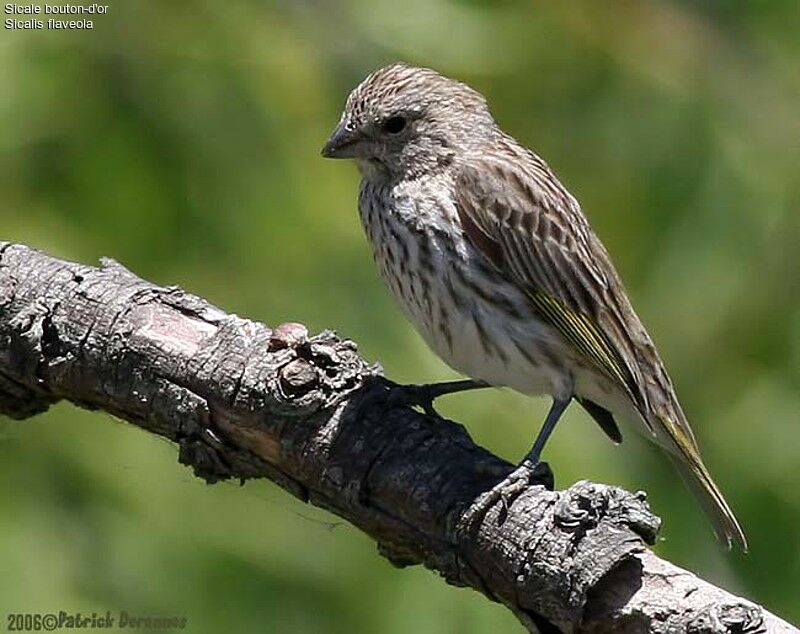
(497, 267)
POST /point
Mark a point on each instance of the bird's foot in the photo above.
(540, 474)
(414, 395)
(508, 490)
(388, 394)
(418, 395)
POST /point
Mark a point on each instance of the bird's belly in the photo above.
(483, 328)
(482, 346)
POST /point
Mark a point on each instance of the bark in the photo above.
(242, 400)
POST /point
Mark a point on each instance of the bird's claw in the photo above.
(391, 394)
(540, 473)
(413, 396)
(508, 490)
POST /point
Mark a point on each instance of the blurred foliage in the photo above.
(183, 138)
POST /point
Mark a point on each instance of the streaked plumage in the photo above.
(498, 268)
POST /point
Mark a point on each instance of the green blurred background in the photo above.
(182, 138)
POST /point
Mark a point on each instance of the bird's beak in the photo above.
(343, 142)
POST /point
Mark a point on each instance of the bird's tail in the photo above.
(690, 465)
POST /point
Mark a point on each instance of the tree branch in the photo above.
(242, 400)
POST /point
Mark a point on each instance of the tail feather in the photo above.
(699, 481)
(674, 434)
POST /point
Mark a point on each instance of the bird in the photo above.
(498, 268)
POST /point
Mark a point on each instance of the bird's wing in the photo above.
(516, 213)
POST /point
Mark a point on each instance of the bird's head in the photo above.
(403, 121)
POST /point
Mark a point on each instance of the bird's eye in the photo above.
(394, 125)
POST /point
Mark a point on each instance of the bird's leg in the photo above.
(556, 410)
(424, 395)
(531, 471)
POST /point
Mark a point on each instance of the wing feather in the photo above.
(540, 241)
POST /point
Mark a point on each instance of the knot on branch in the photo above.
(581, 507)
(733, 618)
(286, 388)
